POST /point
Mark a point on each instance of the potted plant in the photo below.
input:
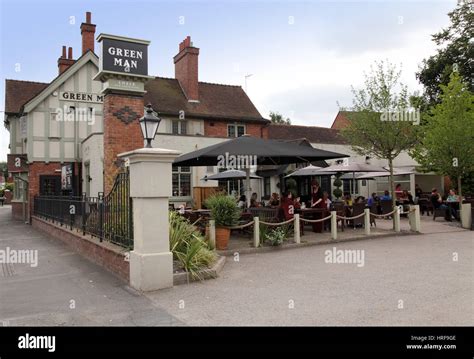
(337, 192)
(225, 213)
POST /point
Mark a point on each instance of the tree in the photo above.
(448, 133)
(379, 125)
(277, 118)
(456, 53)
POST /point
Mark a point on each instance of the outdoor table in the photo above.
(314, 213)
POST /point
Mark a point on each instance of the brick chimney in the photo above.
(186, 69)
(65, 62)
(87, 32)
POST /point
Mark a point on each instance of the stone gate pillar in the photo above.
(151, 261)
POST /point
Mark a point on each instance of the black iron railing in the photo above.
(108, 217)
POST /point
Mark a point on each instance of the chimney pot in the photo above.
(64, 52)
(88, 32)
(186, 69)
(69, 54)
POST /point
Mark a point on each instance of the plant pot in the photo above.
(222, 237)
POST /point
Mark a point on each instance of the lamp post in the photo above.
(149, 124)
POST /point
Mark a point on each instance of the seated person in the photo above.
(325, 202)
(386, 196)
(437, 203)
(274, 200)
(373, 199)
(242, 202)
(418, 191)
(253, 201)
(407, 197)
(288, 205)
(347, 199)
(398, 191)
(360, 199)
(452, 197)
(297, 203)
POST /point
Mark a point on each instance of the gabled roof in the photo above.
(342, 119)
(17, 93)
(61, 78)
(219, 102)
(313, 134)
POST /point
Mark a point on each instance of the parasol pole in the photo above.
(247, 184)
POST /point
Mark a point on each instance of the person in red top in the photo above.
(288, 205)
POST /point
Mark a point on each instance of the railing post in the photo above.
(333, 225)
(100, 209)
(396, 219)
(212, 233)
(367, 221)
(256, 232)
(296, 225)
(83, 213)
(414, 218)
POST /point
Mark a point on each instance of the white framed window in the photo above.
(179, 127)
(235, 130)
(182, 181)
(53, 125)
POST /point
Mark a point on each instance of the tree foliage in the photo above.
(368, 133)
(456, 51)
(448, 133)
(277, 118)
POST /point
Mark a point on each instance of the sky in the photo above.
(303, 56)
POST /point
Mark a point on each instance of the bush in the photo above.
(276, 236)
(9, 186)
(224, 210)
(188, 246)
(337, 192)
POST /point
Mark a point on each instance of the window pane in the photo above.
(240, 131)
(185, 169)
(183, 127)
(175, 128)
(175, 185)
(185, 185)
(231, 131)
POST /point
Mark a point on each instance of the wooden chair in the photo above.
(438, 212)
(357, 209)
(265, 214)
(386, 207)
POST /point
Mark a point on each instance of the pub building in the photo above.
(63, 143)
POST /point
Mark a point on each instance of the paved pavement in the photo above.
(65, 289)
(406, 280)
(410, 280)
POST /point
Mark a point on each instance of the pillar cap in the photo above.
(150, 155)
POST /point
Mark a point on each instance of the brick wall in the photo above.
(122, 131)
(17, 210)
(105, 254)
(219, 129)
(35, 170)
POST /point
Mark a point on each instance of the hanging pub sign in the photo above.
(66, 177)
(123, 55)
